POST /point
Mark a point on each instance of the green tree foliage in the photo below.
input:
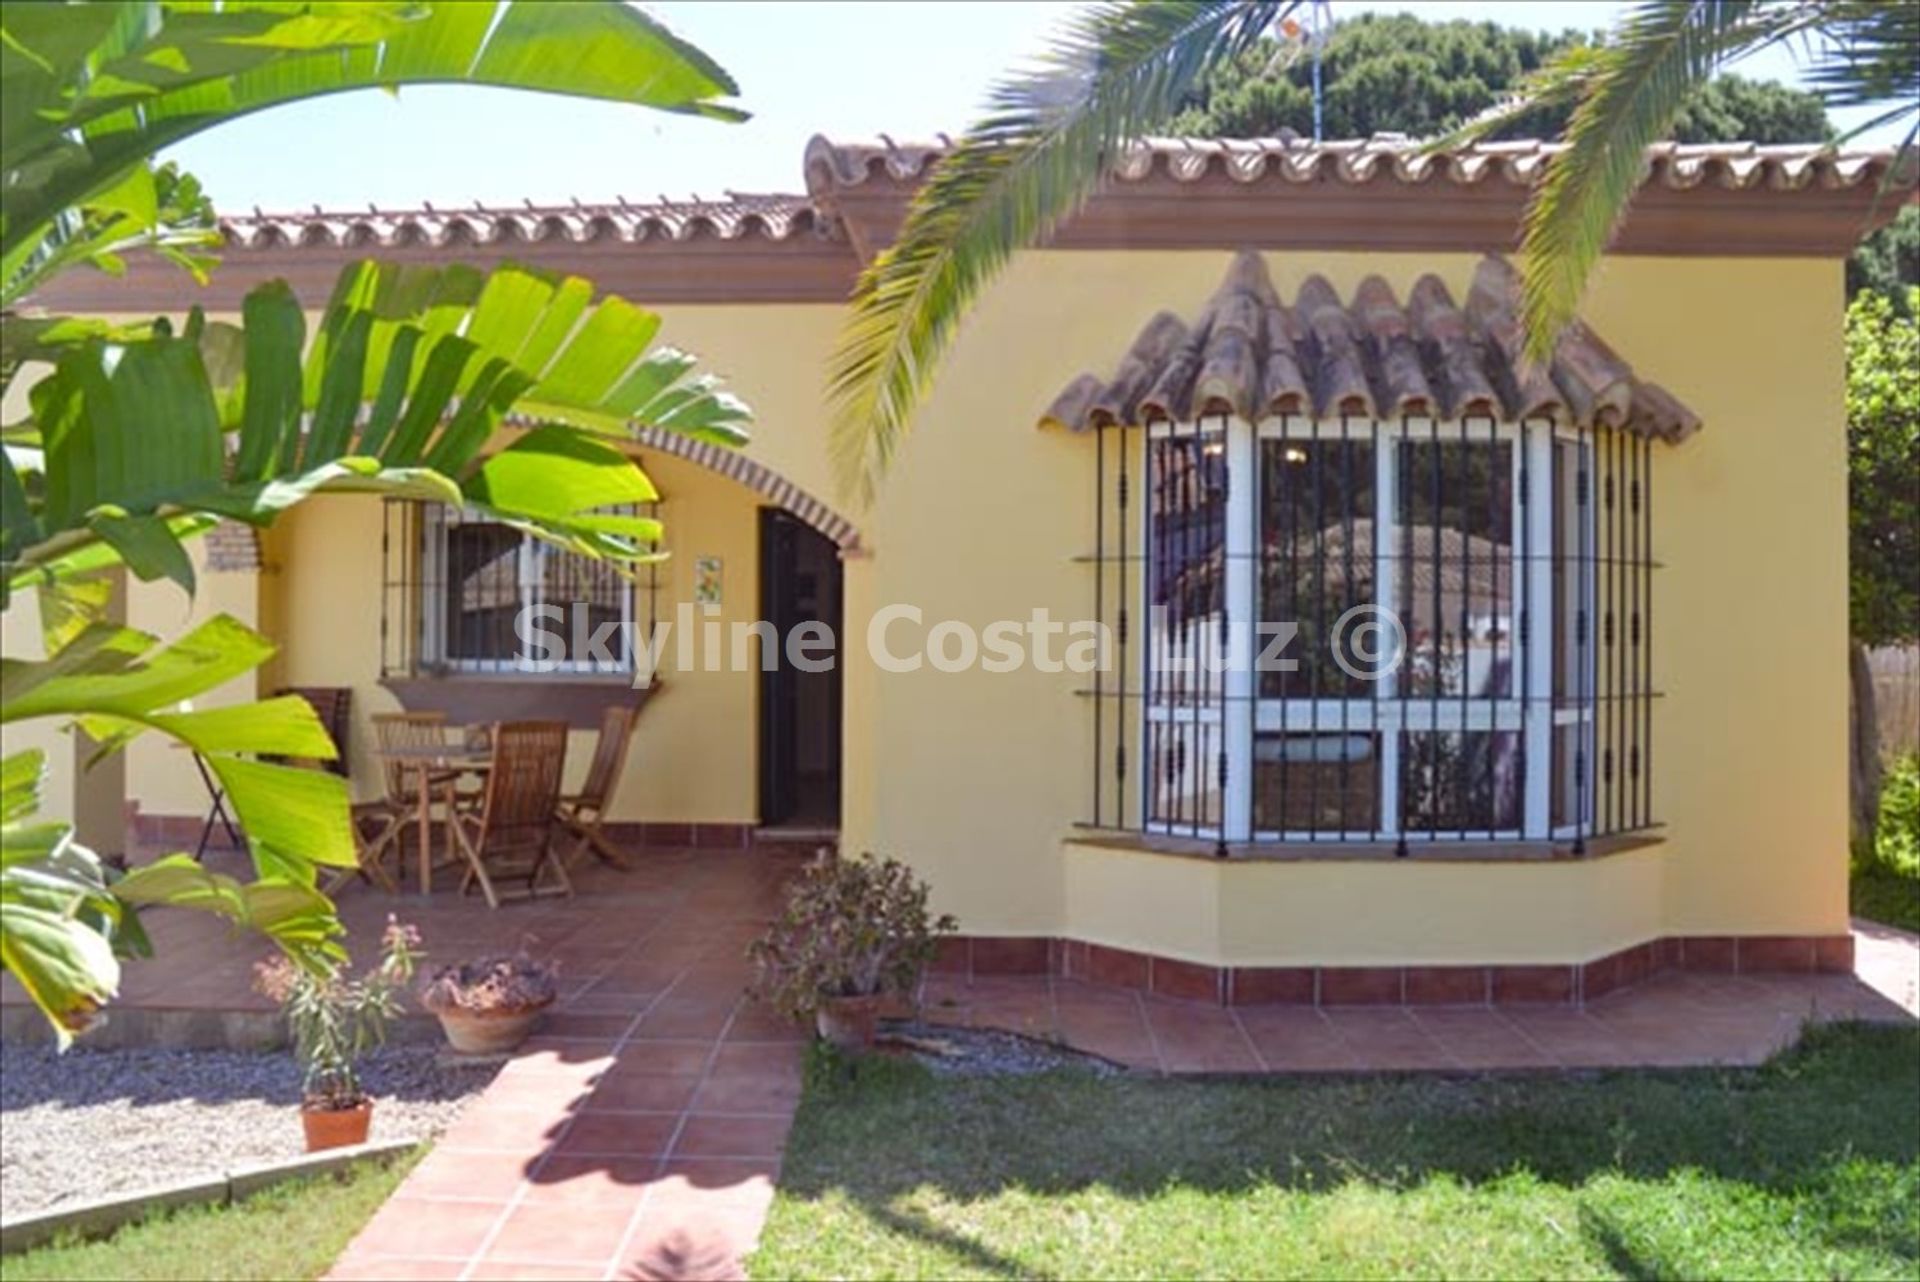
(1888, 262)
(139, 436)
(1125, 69)
(1883, 468)
(1401, 74)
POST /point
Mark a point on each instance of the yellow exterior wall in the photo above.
(20, 639)
(978, 779)
(1360, 912)
(693, 750)
(160, 776)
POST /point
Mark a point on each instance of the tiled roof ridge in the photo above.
(830, 164)
(768, 216)
(1252, 355)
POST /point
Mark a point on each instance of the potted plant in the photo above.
(334, 1019)
(853, 933)
(487, 1006)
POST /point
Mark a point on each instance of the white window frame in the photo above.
(531, 560)
(1530, 712)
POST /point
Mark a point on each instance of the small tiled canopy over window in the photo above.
(1370, 578)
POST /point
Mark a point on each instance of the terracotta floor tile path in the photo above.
(639, 1136)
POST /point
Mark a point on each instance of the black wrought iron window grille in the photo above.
(1361, 631)
(464, 595)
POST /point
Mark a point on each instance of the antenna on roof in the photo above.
(1322, 11)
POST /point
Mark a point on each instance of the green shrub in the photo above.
(851, 928)
(1897, 837)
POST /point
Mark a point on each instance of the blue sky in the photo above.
(846, 69)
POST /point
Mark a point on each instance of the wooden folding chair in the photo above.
(584, 813)
(392, 816)
(334, 706)
(511, 832)
(370, 851)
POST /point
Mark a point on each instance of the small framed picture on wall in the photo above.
(706, 580)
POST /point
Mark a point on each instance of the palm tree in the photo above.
(142, 436)
(1119, 71)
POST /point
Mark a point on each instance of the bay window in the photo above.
(1356, 630)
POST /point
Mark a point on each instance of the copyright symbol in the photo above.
(1368, 642)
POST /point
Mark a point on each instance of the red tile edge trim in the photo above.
(1455, 985)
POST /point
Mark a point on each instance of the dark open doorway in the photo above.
(799, 710)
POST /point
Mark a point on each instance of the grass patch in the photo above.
(293, 1230)
(1808, 1167)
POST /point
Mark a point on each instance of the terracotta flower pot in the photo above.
(488, 1032)
(336, 1127)
(848, 1022)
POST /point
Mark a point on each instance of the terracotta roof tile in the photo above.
(767, 217)
(1252, 355)
(832, 164)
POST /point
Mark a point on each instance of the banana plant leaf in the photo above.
(88, 93)
(66, 919)
(409, 376)
(118, 682)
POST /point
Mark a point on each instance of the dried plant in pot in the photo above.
(853, 934)
(334, 1020)
(488, 1006)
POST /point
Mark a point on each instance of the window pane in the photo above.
(1186, 558)
(1316, 559)
(1183, 779)
(1573, 574)
(589, 594)
(1570, 790)
(1460, 783)
(1316, 783)
(1455, 566)
(483, 590)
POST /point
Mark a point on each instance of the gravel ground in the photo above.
(985, 1052)
(91, 1123)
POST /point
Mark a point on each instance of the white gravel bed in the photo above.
(87, 1124)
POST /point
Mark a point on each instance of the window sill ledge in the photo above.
(470, 698)
(1448, 852)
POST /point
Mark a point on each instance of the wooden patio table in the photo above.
(451, 760)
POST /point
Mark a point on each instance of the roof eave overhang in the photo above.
(1217, 212)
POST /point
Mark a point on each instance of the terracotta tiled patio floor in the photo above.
(640, 1135)
(1669, 1021)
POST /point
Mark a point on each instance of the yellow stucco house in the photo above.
(1540, 679)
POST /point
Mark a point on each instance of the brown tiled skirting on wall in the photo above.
(1498, 985)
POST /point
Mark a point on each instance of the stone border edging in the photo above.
(99, 1218)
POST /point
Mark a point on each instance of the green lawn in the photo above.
(292, 1231)
(1809, 1167)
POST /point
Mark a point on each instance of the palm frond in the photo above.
(1868, 53)
(90, 91)
(1116, 72)
(1561, 82)
(1662, 51)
